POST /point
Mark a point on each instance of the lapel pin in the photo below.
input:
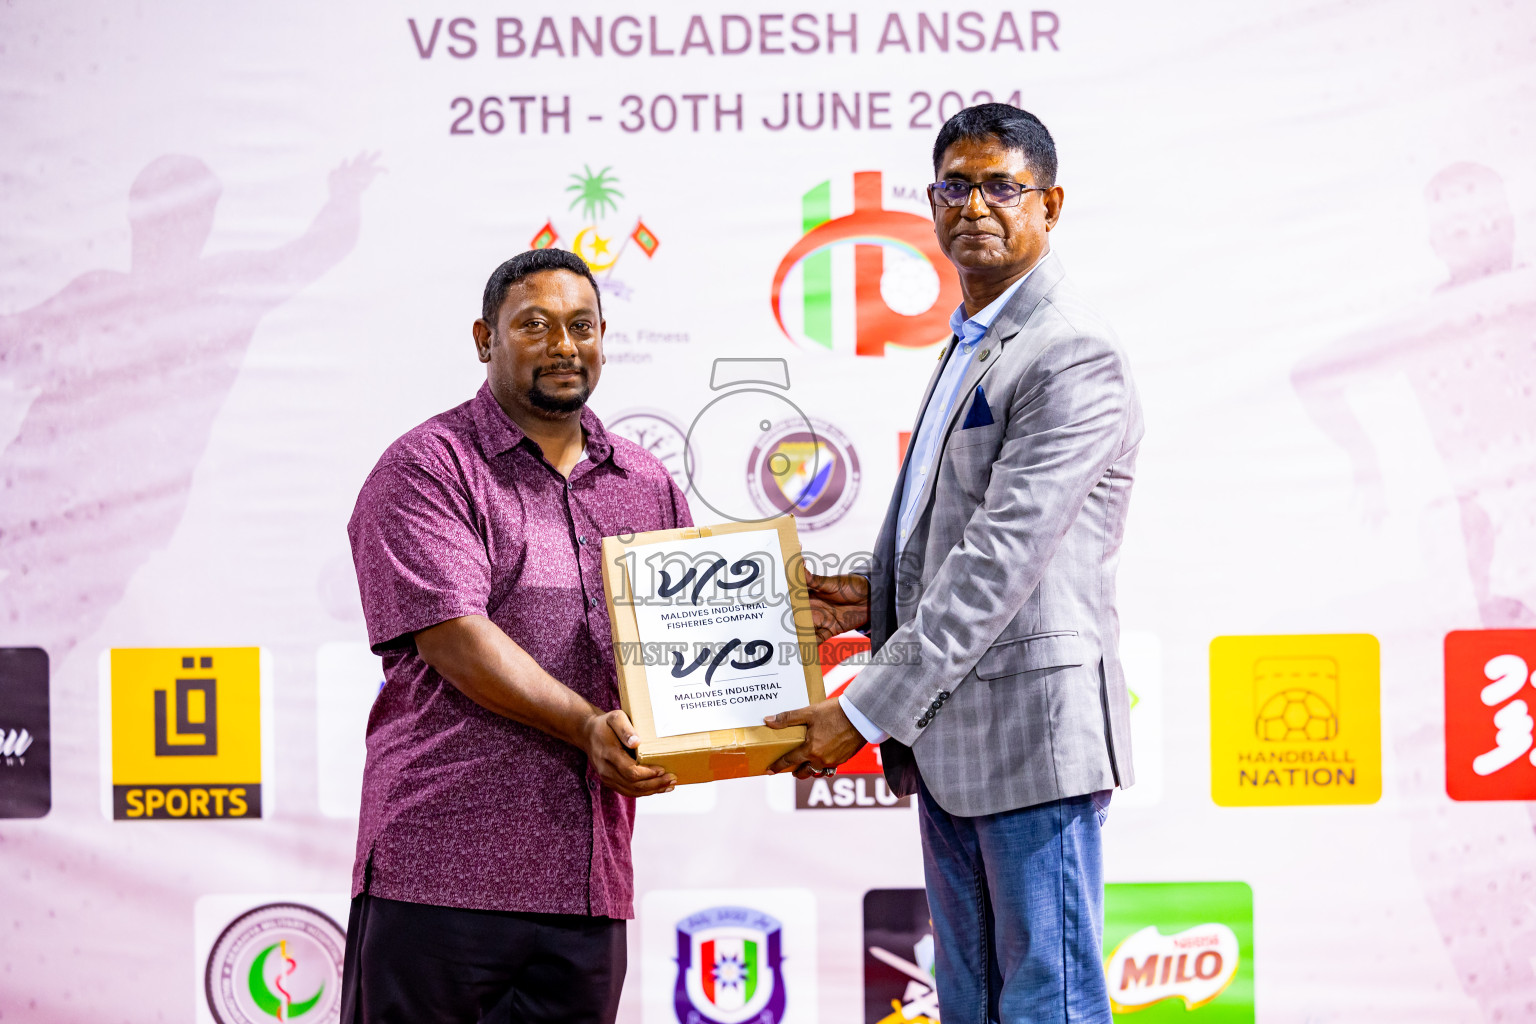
(984, 353)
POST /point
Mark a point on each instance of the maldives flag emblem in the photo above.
(729, 968)
(644, 239)
(546, 237)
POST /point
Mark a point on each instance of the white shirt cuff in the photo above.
(869, 730)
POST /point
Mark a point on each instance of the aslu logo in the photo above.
(25, 775)
(281, 961)
(873, 232)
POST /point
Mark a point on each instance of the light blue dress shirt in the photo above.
(930, 439)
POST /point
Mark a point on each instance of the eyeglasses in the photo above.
(996, 193)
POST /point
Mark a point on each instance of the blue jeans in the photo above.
(1017, 900)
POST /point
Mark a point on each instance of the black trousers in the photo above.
(411, 963)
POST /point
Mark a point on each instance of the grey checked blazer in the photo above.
(997, 670)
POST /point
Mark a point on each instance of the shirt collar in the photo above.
(970, 330)
(500, 434)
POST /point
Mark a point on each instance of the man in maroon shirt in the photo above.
(493, 874)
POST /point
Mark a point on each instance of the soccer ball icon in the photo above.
(1296, 715)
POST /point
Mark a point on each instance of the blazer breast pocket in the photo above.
(966, 468)
(974, 436)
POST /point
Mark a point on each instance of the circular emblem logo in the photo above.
(658, 435)
(806, 468)
(281, 961)
(729, 968)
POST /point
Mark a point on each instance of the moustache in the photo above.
(561, 368)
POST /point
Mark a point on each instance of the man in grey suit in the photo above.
(996, 689)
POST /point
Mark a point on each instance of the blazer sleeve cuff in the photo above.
(887, 707)
(871, 732)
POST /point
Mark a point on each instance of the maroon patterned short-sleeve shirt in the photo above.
(462, 807)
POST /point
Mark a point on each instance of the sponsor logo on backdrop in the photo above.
(25, 775)
(1141, 656)
(860, 781)
(658, 434)
(348, 678)
(1194, 965)
(1295, 720)
(728, 956)
(185, 732)
(727, 431)
(280, 961)
(1489, 729)
(809, 470)
(1180, 951)
(898, 958)
(599, 242)
(729, 967)
(876, 235)
(604, 237)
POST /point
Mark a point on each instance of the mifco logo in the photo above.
(25, 787)
(186, 732)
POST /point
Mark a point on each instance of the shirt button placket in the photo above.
(581, 542)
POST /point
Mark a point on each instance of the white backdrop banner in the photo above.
(243, 248)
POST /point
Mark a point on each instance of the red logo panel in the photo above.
(1490, 731)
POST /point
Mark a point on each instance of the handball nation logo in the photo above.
(729, 968)
(277, 962)
(893, 303)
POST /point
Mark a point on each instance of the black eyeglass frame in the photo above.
(971, 186)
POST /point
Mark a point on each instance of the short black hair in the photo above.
(531, 262)
(1014, 128)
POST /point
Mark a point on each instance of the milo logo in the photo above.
(1180, 951)
(1195, 965)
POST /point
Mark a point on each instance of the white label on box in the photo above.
(716, 631)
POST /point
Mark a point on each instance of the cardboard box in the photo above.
(720, 753)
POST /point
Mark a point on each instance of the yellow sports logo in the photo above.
(185, 732)
(1295, 720)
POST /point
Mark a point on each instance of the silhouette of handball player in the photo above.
(1469, 351)
(128, 372)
